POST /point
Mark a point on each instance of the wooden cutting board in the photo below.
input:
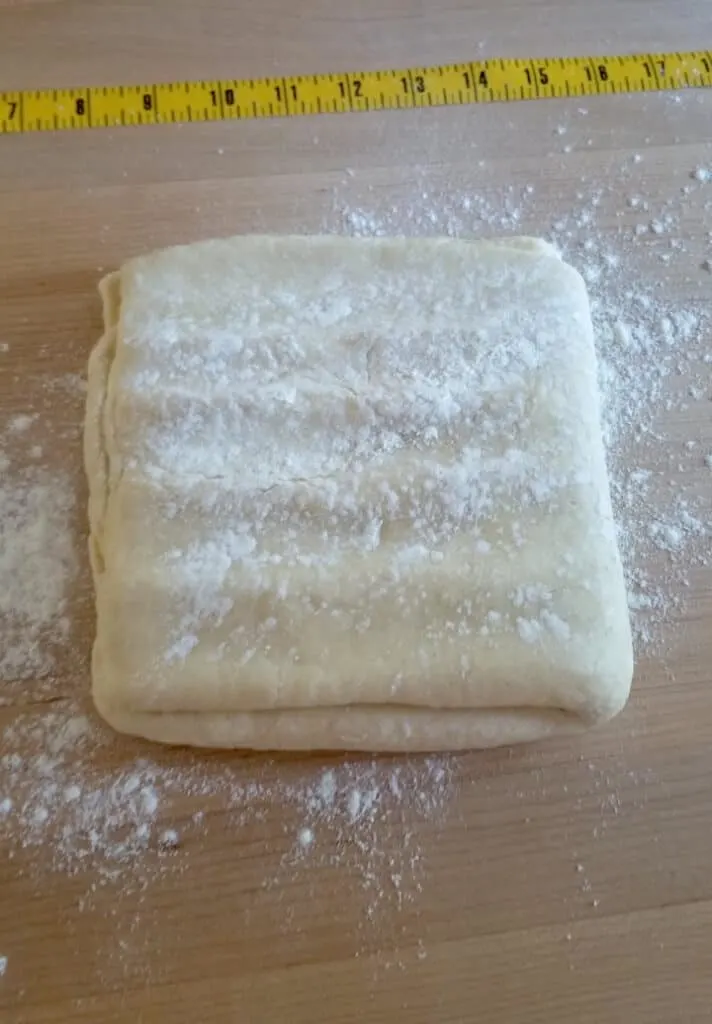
(566, 881)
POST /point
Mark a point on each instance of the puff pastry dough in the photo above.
(351, 493)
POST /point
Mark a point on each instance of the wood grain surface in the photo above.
(567, 881)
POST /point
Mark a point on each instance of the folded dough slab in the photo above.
(351, 493)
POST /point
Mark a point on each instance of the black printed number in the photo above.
(79, 107)
(292, 90)
(12, 104)
(601, 71)
(356, 85)
(482, 79)
(147, 101)
(660, 67)
(541, 75)
(418, 84)
(228, 96)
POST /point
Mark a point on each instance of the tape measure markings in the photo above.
(489, 81)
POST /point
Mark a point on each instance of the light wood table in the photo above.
(564, 882)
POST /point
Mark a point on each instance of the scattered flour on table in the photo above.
(363, 814)
(37, 557)
(116, 823)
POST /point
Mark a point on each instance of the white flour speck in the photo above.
(169, 839)
(306, 837)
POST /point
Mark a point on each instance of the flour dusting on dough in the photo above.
(342, 456)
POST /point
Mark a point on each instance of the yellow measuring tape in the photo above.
(488, 81)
